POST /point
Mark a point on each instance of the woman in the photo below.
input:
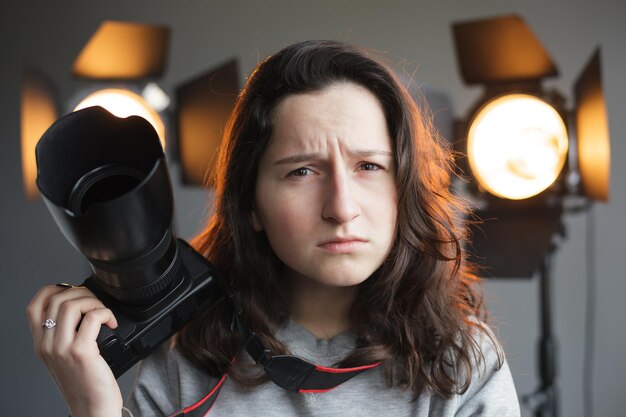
(334, 226)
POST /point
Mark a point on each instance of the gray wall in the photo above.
(417, 34)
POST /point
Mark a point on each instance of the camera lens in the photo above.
(105, 181)
(101, 185)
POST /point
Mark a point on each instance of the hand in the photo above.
(72, 356)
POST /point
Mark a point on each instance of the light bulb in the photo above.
(517, 146)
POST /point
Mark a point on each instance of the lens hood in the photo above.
(105, 182)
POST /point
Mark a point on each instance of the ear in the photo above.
(256, 222)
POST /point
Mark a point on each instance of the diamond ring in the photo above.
(67, 286)
(49, 323)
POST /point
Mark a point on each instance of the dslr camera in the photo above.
(106, 184)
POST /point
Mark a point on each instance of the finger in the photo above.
(70, 315)
(90, 327)
(55, 300)
(35, 311)
(52, 312)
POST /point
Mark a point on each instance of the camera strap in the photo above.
(292, 372)
(287, 371)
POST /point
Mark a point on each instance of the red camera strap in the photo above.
(313, 379)
(287, 371)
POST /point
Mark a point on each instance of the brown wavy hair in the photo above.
(419, 312)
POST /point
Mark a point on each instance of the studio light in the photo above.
(527, 153)
(526, 156)
(517, 145)
(123, 59)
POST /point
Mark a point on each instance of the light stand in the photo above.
(544, 401)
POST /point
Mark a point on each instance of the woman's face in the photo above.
(325, 193)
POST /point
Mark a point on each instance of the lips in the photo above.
(340, 245)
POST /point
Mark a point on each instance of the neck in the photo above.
(323, 310)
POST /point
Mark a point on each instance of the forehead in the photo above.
(343, 113)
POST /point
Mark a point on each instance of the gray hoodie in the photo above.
(167, 383)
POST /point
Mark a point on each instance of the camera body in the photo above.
(142, 329)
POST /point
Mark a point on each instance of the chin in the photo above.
(342, 279)
(345, 273)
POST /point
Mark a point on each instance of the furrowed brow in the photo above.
(295, 159)
(364, 153)
(361, 153)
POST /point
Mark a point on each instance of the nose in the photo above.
(340, 203)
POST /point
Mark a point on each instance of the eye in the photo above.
(369, 166)
(300, 172)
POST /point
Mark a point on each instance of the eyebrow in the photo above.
(364, 153)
